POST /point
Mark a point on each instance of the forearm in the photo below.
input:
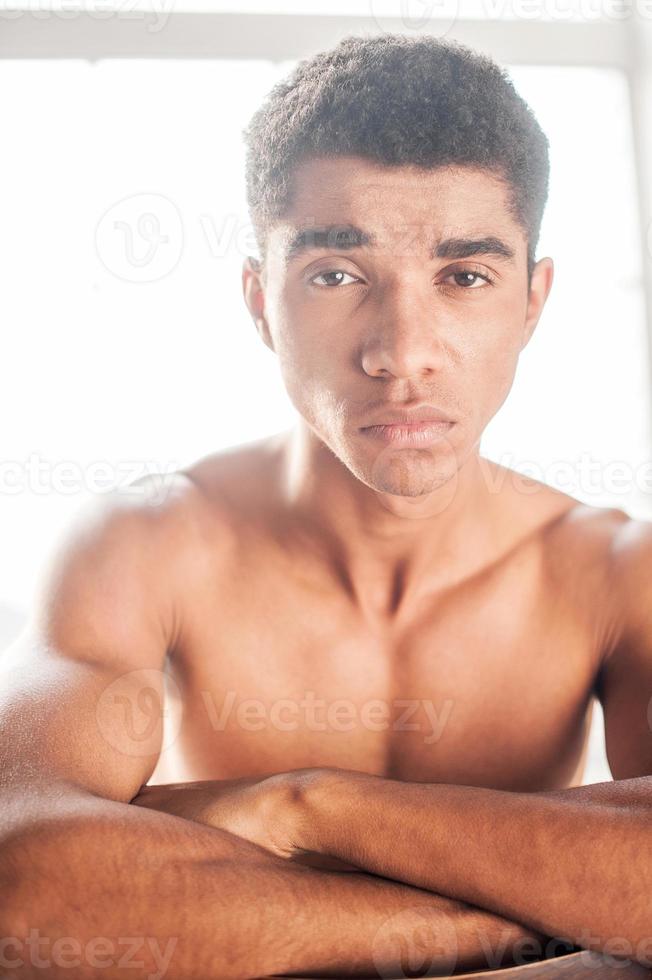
(575, 863)
(202, 902)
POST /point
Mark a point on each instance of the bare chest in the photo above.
(489, 684)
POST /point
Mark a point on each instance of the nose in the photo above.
(405, 338)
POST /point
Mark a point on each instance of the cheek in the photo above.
(492, 369)
(311, 346)
(312, 369)
(501, 367)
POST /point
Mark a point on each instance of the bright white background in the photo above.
(111, 355)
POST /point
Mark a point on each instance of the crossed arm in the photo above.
(574, 864)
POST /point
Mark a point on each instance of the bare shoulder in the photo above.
(123, 540)
(238, 483)
(603, 558)
(607, 536)
(630, 580)
(589, 527)
(624, 681)
(558, 520)
(142, 540)
(182, 518)
(577, 541)
(191, 510)
(164, 513)
(596, 561)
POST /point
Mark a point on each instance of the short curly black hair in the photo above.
(397, 100)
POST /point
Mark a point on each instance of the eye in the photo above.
(481, 279)
(334, 272)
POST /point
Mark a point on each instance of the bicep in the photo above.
(625, 680)
(91, 722)
(82, 687)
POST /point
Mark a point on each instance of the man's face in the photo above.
(397, 310)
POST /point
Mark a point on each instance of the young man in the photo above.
(378, 650)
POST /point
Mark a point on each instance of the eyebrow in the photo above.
(347, 237)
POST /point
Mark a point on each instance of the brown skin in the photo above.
(318, 567)
(399, 328)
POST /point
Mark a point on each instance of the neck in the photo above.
(386, 549)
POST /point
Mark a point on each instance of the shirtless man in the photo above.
(377, 652)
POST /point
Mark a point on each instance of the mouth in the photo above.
(409, 433)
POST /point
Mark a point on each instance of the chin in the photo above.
(409, 471)
(406, 481)
(406, 473)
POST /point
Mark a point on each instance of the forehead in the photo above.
(353, 190)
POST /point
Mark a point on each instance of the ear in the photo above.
(254, 295)
(542, 276)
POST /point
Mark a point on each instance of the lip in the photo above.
(409, 416)
(409, 434)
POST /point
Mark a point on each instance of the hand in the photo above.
(193, 800)
(266, 810)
